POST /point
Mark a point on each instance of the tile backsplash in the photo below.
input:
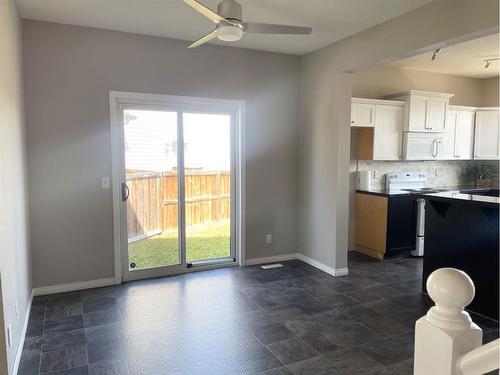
(438, 173)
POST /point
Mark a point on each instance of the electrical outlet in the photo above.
(105, 182)
(375, 173)
(9, 335)
(436, 172)
(269, 239)
(16, 310)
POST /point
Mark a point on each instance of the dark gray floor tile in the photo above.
(33, 343)
(313, 366)
(338, 300)
(220, 366)
(74, 371)
(277, 371)
(109, 351)
(386, 351)
(101, 317)
(292, 350)
(403, 368)
(66, 324)
(255, 360)
(351, 335)
(270, 333)
(105, 303)
(62, 310)
(30, 362)
(101, 335)
(58, 297)
(352, 361)
(116, 367)
(35, 328)
(37, 312)
(64, 359)
(60, 340)
(312, 306)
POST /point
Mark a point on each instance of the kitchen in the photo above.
(425, 135)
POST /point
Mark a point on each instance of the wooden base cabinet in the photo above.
(385, 225)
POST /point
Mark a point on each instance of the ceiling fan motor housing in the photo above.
(230, 9)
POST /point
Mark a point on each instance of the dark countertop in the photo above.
(446, 189)
(463, 197)
(384, 192)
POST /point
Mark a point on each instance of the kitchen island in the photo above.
(461, 231)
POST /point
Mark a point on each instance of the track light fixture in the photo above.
(434, 54)
(487, 62)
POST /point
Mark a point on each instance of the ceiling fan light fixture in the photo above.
(229, 33)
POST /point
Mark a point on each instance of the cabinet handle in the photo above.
(434, 148)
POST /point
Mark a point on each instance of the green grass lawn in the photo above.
(203, 241)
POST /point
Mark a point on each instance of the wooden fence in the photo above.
(152, 204)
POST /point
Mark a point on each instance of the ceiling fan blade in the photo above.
(267, 28)
(214, 17)
(205, 39)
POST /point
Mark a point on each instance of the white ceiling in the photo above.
(331, 20)
(464, 59)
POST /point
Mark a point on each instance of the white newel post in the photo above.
(447, 331)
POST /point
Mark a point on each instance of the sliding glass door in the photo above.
(178, 188)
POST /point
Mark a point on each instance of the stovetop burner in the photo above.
(424, 190)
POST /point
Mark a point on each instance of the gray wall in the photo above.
(15, 267)
(68, 72)
(325, 109)
(490, 92)
(380, 81)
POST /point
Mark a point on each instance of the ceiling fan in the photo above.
(229, 26)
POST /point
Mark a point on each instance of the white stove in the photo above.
(405, 181)
(414, 183)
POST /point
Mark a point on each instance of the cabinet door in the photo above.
(487, 135)
(388, 137)
(437, 113)
(449, 136)
(419, 109)
(464, 135)
(363, 114)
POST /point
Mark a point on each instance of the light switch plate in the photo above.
(105, 182)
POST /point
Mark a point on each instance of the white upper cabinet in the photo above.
(380, 123)
(487, 134)
(425, 111)
(458, 136)
(363, 114)
(388, 135)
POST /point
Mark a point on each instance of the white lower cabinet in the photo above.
(487, 135)
(458, 136)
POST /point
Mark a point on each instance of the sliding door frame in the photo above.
(119, 100)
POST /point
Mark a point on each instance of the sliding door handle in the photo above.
(125, 191)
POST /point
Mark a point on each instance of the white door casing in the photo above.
(120, 100)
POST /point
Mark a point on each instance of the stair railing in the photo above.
(447, 341)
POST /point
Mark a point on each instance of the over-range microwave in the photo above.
(421, 146)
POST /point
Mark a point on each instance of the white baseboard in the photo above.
(19, 350)
(70, 287)
(306, 259)
(272, 259)
(323, 267)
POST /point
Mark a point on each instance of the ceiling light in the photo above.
(434, 54)
(229, 33)
(487, 62)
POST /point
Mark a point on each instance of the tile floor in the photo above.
(290, 320)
